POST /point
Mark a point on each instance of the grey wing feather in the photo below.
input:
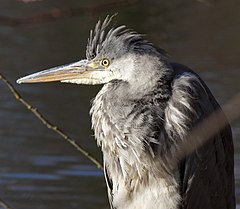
(109, 186)
(207, 177)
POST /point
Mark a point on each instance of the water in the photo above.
(41, 171)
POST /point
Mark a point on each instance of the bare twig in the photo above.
(205, 130)
(195, 139)
(48, 124)
(4, 205)
(55, 14)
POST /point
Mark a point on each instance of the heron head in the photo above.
(115, 54)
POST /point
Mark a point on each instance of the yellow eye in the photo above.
(105, 62)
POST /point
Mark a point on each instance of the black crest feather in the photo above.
(99, 37)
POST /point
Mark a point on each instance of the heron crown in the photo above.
(116, 40)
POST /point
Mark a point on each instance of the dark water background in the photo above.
(38, 170)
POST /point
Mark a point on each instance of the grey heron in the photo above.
(146, 108)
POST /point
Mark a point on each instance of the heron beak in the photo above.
(81, 72)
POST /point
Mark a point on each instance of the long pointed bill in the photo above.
(82, 72)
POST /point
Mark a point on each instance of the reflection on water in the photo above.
(38, 169)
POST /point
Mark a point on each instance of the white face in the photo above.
(138, 70)
(124, 68)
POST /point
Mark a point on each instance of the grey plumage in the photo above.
(136, 133)
(145, 110)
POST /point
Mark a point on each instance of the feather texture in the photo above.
(140, 123)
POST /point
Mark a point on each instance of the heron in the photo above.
(146, 108)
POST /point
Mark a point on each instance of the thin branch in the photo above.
(48, 124)
(206, 129)
(195, 139)
(4, 205)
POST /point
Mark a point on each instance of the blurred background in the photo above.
(39, 170)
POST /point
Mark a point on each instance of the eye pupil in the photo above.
(105, 62)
